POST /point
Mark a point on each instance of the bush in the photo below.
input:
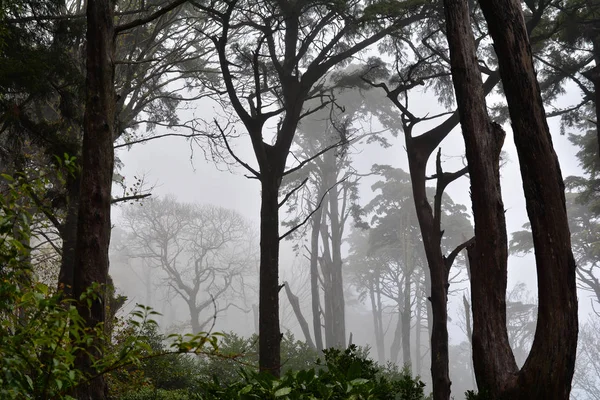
(343, 375)
(238, 354)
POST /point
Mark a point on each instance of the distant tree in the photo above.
(394, 239)
(496, 370)
(204, 252)
(273, 57)
(586, 381)
(324, 193)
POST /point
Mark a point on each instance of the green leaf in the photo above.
(284, 391)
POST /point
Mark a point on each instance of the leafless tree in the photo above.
(205, 252)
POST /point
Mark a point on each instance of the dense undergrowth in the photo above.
(230, 373)
(41, 334)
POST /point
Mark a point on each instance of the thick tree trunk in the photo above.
(548, 371)
(195, 319)
(268, 320)
(493, 360)
(549, 368)
(93, 227)
(314, 278)
(326, 270)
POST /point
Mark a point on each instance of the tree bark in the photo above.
(93, 227)
(493, 360)
(269, 344)
(440, 374)
(549, 369)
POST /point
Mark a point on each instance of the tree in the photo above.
(585, 380)
(324, 193)
(395, 241)
(49, 106)
(273, 57)
(495, 368)
(204, 251)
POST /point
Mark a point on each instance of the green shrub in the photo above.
(150, 393)
(237, 353)
(342, 375)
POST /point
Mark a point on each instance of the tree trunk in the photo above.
(406, 316)
(419, 319)
(377, 322)
(268, 320)
(314, 278)
(194, 318)
(326, 267)
(397, 342)
(438, 273)
(493, 361)
(337, 282)
(406, 307)
(93, 227)
(68, 233)
(549, 369)
(298, 312)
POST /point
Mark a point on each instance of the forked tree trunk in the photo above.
(438, 275)
(549, 368)
(93, 227)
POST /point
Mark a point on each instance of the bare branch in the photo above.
(291, 192)
(301, 224)
(149, 18)
(128, 198)
(452, 256)
(245, 165)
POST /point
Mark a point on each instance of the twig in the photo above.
(245, 165)
(295, 228)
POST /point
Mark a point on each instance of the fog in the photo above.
(183, 170)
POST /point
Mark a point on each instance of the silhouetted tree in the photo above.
(495, 367)
(273, 56)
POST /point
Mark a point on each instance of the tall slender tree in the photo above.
(273, 57)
